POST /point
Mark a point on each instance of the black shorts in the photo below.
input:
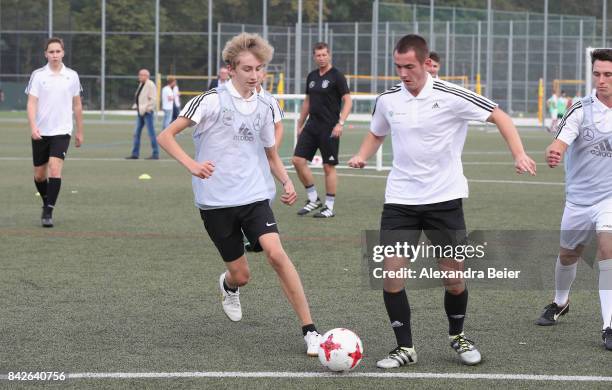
(443, 223)
(315, 136)
(225, 227)
(49, 146)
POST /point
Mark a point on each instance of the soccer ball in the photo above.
(340, 350)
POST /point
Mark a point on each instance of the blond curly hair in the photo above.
(252, 43)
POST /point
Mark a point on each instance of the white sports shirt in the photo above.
(588, 160)
(55, 92)
(428, 133)
(277, 115)
(232, 132)
(277, 111)
(168, 98)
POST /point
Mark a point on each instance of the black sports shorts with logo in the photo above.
(443, 223)
(49, 146)
(225, 227)
(317, 136)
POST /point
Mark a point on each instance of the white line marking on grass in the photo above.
(290, 168)
(116, 159)
(542, 183)
(291, 375)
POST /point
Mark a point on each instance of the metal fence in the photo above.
(507, 49)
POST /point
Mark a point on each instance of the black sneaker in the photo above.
(551, 314)
(310, 206)
(606, 336)
(131, 158)
(325, 213)
(46, 219)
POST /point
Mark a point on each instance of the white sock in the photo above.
(312, 193)
(605, 292)
(329, 201)
(564, 277)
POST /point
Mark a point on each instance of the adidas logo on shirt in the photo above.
(244, 134)
(435, 105)
(602, 149)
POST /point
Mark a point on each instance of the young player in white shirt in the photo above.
(428, 121)
(232, 125)
(168, 100)
(277, 118)
(585, 138)
(54, 95)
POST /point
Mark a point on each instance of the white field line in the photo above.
(533, 182)
(307, 375)
(117, 159)
(316, 172)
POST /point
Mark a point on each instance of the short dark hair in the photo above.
(413, 42)
(54, 40)
(434, 56)
(320, 46)
(601, 55)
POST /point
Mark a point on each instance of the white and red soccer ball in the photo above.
(340, 350)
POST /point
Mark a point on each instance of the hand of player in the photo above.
(337, 131)
(553, 157)
(78, 139)
(36, 134)
(356, 162)
(289, 196)
(524, 164)
(202, 170)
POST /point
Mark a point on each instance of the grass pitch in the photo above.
(127, 279)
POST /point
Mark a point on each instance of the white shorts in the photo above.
(579, 223)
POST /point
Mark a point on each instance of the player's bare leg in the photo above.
(305, 175)
(236, 276)
(331, 180)
(565, 273)
(292, 287)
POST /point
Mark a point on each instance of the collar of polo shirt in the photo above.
(62, 69)
(599, 104)
(425, 92)
(234, 92)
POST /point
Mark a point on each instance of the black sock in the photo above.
(41, 186)
(228, 289)
(53, 189)
(308, 328)
(455, 306)
(398, 310)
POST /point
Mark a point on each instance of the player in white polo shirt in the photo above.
(585, 138)
(53, 96)
(233, 125)
(277, 117)
(428, 123)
